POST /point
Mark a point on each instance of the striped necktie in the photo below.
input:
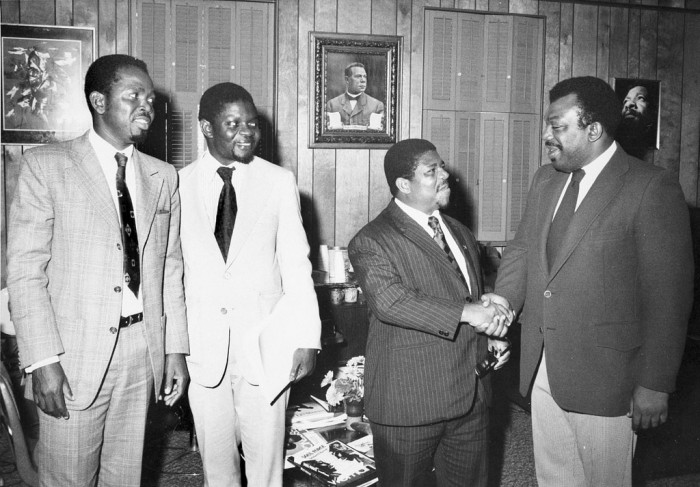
(439, 238)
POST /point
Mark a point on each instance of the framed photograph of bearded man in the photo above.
(43, 72)
(639, 129)
(354, 90)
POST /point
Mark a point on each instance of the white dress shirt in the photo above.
(214, 183)
(422, 219)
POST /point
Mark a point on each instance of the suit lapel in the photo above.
(469, 256)
(87, 173)
(549, 197)
(149, 184)
(607, 185)
(251, 198)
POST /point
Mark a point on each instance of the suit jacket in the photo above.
(613, 310)
(262, 298)
(419, 361)
(65, 263)
(365, 106)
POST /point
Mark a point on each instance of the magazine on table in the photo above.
(336, 464)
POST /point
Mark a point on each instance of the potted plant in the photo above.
(347, 385)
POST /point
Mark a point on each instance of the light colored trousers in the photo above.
(106, 439)
(234, 413)
(578, 450)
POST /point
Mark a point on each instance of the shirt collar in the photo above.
(418, 216)
(594, 168)
(101, 146)
(211, 164)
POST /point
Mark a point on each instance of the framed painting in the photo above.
(639, 129)
(43, 68)
(354, 90)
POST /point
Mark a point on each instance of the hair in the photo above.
(348, 68)
(103, 73)
(401, 160)
(216, 97)
(595, 99)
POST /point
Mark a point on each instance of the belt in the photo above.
(126, 321)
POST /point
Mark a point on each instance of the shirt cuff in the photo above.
(41, 363)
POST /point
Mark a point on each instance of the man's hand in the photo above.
(303, 363)
(489, 319)
(50, 387)
(648, 408)
(176, 378)
(500, 301)
(502, 348)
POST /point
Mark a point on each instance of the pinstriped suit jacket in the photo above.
(65, 263)
(419, 360)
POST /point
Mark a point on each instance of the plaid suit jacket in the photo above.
(65, 263)
(419, 361)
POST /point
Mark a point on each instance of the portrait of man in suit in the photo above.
(602, 268)
(251, 306)
(355, 108)
(420, 272)
(95, 284)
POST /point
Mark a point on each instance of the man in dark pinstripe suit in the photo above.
(420, 272)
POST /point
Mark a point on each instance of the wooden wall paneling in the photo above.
(379, 192)
(352, 194)
(647, 43)
(64, 12)
(670, 72)
(552, 13)
(482, 5)
(618, 43)
(416, 63)
(324, 200)
(355, 16)
(107, 27)
(403, 28)
(384, 17)
(9, 11)
(584, 49)
(305, 155)
(498, 5)
(447, 3)
(566, 33)
(123, 27)
(39, 12)
(466, 4)
(523, 7)
(633, 41)
(326, 16)
(288, 45)
(85, 15)
(690, 121)
(603, 43)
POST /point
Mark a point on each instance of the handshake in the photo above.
(492, 316)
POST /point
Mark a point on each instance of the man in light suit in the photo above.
(96, 298)
(355, 107)
(251, 306)
(420, 272)
(605, 291)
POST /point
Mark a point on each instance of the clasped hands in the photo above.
(492, 316)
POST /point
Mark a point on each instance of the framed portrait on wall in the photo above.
(43, 72)
(639, 130)
(354, 90)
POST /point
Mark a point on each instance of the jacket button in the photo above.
(541, 330)
(113, 330)
(119, 246)
(224, 311)
(548, 294)
(227, 275)
(469, 299)
(117, 289)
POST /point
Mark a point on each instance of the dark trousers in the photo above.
(446, 453)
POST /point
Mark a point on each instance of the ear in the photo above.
(206, 128)
(595, 131)
(97, 100)
(404, 185)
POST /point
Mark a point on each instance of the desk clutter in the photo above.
(322, 445)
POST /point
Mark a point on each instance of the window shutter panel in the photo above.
(440, 128)
(470, 58)
(492, 182)
(219, 48)
(441, 54)
(499, 38)
(466, 170)
(527, 65)
(522, 164)
(153, 49)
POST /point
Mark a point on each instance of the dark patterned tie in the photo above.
(132, 274)
(439, 238)
(225, 212)
(565, 213)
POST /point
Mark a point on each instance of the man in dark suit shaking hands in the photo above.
(606, 291)
(420, 272)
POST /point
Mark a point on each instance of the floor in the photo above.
(667, 456)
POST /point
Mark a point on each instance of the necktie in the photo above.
(565, 213)
(132, 274)
(439, 238)
(225, 212)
